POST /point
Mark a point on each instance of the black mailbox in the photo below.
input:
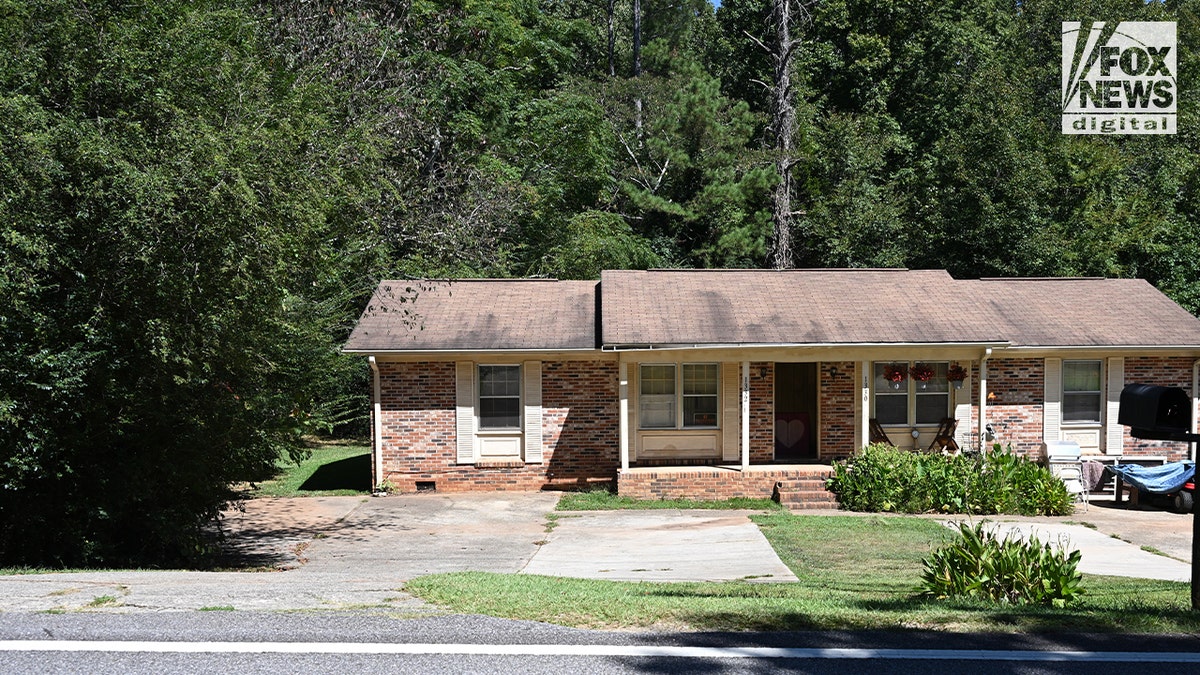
(1156, 413)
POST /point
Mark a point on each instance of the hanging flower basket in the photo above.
(956, 374)
(921, 373)
(895, 373)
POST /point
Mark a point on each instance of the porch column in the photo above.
(864, 404)
(983, 399)
(745, 415)
(623, 415)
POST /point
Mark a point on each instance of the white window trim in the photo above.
(481, 430)
(679, 397)
(1062, 392)
(910, 392)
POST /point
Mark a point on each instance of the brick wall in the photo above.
(1019, 385)
(837, 396)
(1016, 412)
(707, 483)
(1165, 372)
(762, 412)
(579, 432)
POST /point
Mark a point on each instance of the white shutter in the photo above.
(532, 371)
(731, 411)
(464, 411)
(1114, 437)
(962, 413)
(1052, 403)
(635, 412)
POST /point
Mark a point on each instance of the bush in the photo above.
(980, 565)
(884, 478)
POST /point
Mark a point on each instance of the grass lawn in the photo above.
(332, 469)
(854, 573)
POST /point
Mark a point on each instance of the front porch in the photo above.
(795, 485)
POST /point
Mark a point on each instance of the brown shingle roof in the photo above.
(478, 315)
(730, 307)
(665, 307)
(1082, 312)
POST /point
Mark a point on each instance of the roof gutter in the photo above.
(473, 350)
(795, 345)
(1081, 348)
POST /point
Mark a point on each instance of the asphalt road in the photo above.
(452, 644)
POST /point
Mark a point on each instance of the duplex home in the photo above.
(719, 383)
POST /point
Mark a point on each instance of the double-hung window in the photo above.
(920, 396)
(499, 397)
(675, 396)
(1082, 395)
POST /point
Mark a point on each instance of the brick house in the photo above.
(717, 383)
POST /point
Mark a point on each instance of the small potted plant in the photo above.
(921, 373)
(895, 373)
(956, 374)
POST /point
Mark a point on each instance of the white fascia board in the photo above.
(1105, 348)
(444, 352)
(797, 345)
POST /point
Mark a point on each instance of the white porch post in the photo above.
(864, 403)
(376, 422)
(983, 378)
(623, 376)
(745, 415)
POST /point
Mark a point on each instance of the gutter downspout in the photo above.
(376, 423)
(987, 353)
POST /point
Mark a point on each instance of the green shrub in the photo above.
(980, 565)
(884, 478)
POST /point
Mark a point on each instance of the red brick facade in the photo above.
(579, 429)
(709, 482)
(762, 412)
(837, 395)
(580, 402)
(1019, 388)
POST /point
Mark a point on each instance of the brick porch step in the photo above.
(804, 493)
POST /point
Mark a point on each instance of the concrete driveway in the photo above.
(345, 552)
(348, 552)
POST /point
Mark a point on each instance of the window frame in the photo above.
(1098, 393)
(679, 403)
(911, 393)
(480, 425)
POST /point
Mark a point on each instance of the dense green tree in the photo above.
(179, 236)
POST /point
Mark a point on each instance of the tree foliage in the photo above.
(197, 196)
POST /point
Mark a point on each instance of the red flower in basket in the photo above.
(895, 373)
(921, 372)
(956, 373)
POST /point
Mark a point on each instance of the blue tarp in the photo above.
(1159, 480)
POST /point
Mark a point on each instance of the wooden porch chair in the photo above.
(878, 435)
(944, 441)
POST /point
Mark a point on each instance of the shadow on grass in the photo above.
(352, 473)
